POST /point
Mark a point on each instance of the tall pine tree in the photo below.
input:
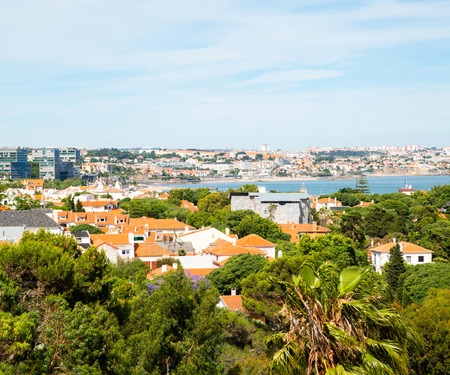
(362, 185)
(394, 269)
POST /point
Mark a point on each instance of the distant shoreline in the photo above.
(173, 184)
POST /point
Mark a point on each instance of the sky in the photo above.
(224, 73)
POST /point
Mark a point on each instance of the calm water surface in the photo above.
(380, 185)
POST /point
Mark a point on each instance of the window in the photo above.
(408, 259)
(421, 259)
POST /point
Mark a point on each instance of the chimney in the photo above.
(233, 291)
(227, 231)
(234, 241)
(292, 226)
(131, 238)
(335, 200)
(394, 240)
(314, 226)
(164, 268)
(371, 243)
(401, 246)
(361, 203)
(175, 265)
(280, 253)
(329, 199)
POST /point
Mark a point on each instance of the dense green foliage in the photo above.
(418, 280)
(156, 208)
(432, 320)
(235, 270)
(86, 227)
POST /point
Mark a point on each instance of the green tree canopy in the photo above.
(86, 227)
(235, 270)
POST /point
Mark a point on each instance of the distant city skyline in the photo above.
(225, 74)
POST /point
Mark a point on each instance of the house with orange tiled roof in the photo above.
(123, 242)
(255, 241)
(150, 253)
(162, 225)
(188, 205)
(296, 231)
(201, 239)
(412, 254)
(232, 302)
(99, 219)
(225, 251)
(161, 271)
(327, 203)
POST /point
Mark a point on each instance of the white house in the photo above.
(412, 254)
(202, 238)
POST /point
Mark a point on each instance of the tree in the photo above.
(436, 237)
(419, 279)
(266, 228)
(431, 320)
(362, 185)
(86, 227)
(214, 202)
(337, 325)
(235, 270)
(394, 269)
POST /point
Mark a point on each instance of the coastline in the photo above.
(277, 179)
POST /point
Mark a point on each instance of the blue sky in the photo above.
(224, 74)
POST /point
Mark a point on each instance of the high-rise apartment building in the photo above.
(14, 163)
(50, 164)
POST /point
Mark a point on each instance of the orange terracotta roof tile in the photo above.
(151, 250)
(158, 272)
(114, 239)
(253, 240)
(188, 205)
(408, 247)
(160, 224)
(233, 302)
(230, 249)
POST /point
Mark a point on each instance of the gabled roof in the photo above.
(36, 218)
(407, 248)
(113, 239)
(230, 249)
(160, 224)
(188, 205)
(233, 302)
(253, 240)
(150, 249)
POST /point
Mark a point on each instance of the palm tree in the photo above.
(338, 324)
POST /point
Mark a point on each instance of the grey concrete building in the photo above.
(282, 208)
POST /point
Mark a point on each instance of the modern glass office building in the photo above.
(50, 164)
(14, 163)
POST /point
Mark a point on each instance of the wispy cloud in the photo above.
(196, 63)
